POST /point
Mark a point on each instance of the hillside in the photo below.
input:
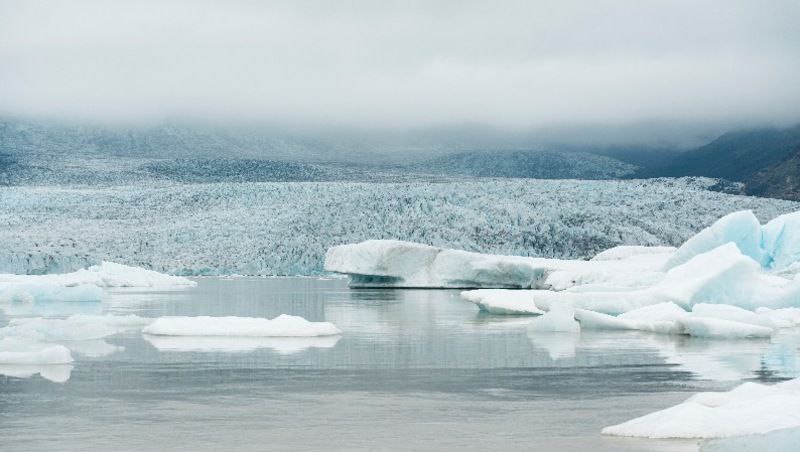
(528, 164)
(735, 156)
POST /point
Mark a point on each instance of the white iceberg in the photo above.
(281, 326)
(106, 275)
(720, 276)
(748, 409)
(392, 263)
(232, 344)
(85, 284)
(765, 253)
(14, 350)
(785, 439)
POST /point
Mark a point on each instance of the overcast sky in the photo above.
(509, 64)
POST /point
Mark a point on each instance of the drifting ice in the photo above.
(281, 326)
(15, 350)
(83, 285)
(747, 409)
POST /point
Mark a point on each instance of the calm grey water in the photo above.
(414, 370)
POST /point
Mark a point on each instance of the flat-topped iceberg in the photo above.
(748, 409)
(391, 263)
(281, 326)
(16, 350)
(85, 284)
(106, 275)
(237, 344)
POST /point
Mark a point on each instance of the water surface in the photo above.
(414, 370)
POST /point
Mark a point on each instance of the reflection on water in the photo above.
(413, 369)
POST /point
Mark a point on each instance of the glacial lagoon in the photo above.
(413, 370)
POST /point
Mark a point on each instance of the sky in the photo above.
(513, 65)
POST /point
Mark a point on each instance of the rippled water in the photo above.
(414, 370)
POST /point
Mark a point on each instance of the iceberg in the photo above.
(281, 326)
(105, 275)
(748, 409)
(14, 350)
(720, 276)
(741, 228)
(231, 344)
(392, 263)
(765, 253)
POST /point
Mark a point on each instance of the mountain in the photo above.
(781, 180)
(735, 156)
(527, 164)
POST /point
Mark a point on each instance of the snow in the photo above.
(281, 326)
(559, 318)
(16, 350)
(748, 409)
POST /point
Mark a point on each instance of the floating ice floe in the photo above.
(233, 344)
(748, 409)
(15, 350)
(559, 318)
(391, 263)
(85, 284)
(281, 326)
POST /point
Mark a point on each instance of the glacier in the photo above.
(748, 409)
(282, 326)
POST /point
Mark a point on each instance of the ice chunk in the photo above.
(107, 274)
(750, 408)
(14, 350)
(283, 326)
(781, 240)
(499, 301)
(560, 318)
(741, 228)
(230, 344)
(777, 440)
(783, 318)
